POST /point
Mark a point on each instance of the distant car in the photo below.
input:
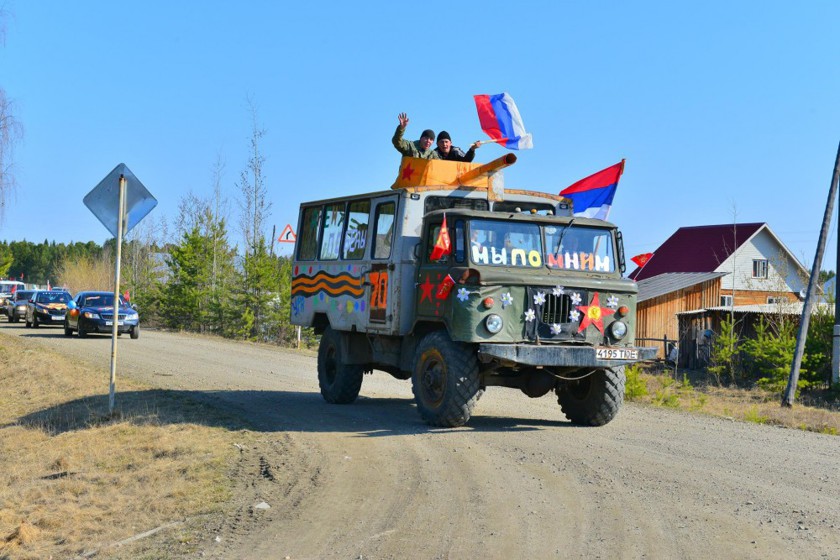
(93, 312)
(47, 308)
(7, 289)
(15, 307)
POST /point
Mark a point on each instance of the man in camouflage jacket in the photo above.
(418, 148)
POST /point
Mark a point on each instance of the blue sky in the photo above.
(722, 110)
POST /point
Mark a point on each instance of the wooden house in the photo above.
(704, 267)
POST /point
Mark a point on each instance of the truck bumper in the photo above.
(561, 356)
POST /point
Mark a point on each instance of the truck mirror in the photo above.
(619, 240)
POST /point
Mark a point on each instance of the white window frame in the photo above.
(726, 301)
(776, 300)
(760, 268)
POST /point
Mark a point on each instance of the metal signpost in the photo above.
(120, 201)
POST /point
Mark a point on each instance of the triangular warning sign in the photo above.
(287, 235)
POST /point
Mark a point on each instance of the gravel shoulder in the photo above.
(370, 480)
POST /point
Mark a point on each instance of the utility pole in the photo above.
(835, 341)
(793, 380)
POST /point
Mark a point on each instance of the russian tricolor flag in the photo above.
(501, 121)
(592, 197)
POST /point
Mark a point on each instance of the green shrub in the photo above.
(768, 356)
(634, 386)
(666, 398)
(724, 354)
(752, 415)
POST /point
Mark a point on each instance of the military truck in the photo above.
(526, 296)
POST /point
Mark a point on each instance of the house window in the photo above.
(776, 300)
(726, 301)
(759, 268)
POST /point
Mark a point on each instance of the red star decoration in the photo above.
(594, 314)
(426, 287)
(407, 172)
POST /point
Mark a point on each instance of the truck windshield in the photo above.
(516, 244)
(501, 243)
(575, 247)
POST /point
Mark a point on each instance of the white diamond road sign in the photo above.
(104, 200)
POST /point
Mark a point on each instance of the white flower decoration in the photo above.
(555, 328)
(574, 316)
(463, 294)
(558, 291)
(530, 315)
(507, 299)
(612, 302)
(575, 298)
(539, 298)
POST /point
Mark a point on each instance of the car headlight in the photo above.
(493, 323)
(91, 315)
(131, 317)
(618, 329)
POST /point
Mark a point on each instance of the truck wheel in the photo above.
(340, 383)
(445, 381)
(593, 400)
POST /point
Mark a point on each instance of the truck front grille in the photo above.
(556, 309)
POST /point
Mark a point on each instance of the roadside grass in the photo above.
(75, 480)
(697, 392)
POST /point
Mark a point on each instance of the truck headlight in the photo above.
(493, 323)
(618, 329)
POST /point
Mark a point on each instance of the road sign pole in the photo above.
(116, 317)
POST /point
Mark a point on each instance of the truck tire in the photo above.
(340, 383)
(445, 381)
(595, 399)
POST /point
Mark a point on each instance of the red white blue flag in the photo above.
(501, 121)
(592, 197)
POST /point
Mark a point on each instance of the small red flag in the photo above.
(126, 296)
(445, 287)
(642, 259)
(442, 245)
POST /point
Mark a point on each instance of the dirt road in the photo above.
(370, 480)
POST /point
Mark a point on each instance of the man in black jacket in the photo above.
(446, 150)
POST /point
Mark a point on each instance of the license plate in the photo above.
(616, 354)
(111, 323)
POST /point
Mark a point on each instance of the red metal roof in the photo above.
(696, 249)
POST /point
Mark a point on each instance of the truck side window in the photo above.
(355, 238)
(384, 233)
(331, 235)
(309, 225)
(458, 241)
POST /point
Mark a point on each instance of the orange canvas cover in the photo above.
(415, 172)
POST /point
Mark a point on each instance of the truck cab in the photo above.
(526, 295)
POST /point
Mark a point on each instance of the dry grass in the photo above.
(74, 479)
(87, 273)
(695, 392)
